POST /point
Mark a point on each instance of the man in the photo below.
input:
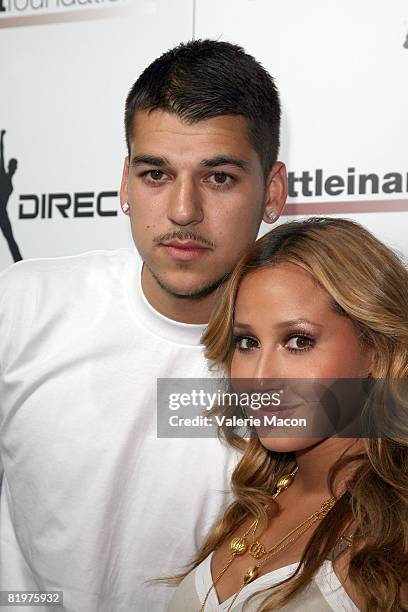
(92, 502)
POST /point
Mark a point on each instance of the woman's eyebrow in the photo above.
(300, 321)
(242, 325)
(289, 323)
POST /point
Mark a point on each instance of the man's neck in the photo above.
(182, 309)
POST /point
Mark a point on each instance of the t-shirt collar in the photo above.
(173, 331)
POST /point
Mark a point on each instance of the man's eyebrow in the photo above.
(225, 160)
(150, 160)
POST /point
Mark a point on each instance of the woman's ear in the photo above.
(370, 362)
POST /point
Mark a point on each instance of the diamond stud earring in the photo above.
(272, 216)
(125, 207)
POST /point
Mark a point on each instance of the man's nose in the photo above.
(185, 206)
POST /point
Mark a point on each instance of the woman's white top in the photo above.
(323, 594)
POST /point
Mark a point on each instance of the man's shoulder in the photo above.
(53, 269)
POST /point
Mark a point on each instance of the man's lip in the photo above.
(184, 244)
(187, 250)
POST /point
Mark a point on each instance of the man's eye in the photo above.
(244, 343)
(220, 179)
(299, 343)
(153, 176)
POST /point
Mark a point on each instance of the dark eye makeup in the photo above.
(302, 342)
(298, 341)
(238, 342)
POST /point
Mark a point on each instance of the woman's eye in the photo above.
(299, 343)
(245, 344)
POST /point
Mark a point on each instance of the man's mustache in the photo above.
(184, 235)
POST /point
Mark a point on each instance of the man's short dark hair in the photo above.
(202, 79)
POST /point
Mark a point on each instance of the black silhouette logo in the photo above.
(6, 188)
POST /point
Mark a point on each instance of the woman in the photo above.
(318, 523)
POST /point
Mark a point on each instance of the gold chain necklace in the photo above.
(239, 545)
(253, 572)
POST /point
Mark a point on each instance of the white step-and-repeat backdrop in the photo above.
(67, 65)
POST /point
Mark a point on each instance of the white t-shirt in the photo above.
(92, 502)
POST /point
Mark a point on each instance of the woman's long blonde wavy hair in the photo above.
(369, 284)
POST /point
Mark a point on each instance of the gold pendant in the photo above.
(284, 481)
(257, 550)
(327, 506)
(238, 546)
(250, 574)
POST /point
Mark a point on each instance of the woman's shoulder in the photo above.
(335, 587)
(185, 597)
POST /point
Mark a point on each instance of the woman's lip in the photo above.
(277, 409)
(278, 413)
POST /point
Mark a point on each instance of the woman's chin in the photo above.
(288, 445)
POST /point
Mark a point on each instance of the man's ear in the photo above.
(276, 192)
(123, 185)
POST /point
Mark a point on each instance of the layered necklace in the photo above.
(248, 542)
